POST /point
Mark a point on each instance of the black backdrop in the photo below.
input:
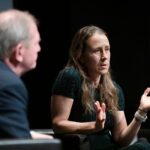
(127, 25)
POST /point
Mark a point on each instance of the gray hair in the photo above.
(14, 29)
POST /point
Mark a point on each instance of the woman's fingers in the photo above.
(103, 106)
(97, 106)
(100, 109)
(147, 91)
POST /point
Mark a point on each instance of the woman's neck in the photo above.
(95, 81)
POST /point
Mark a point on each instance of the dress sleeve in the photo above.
(66, 83)
(121, 98)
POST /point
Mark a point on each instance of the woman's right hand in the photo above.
(100, 115)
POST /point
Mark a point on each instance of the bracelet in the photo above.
(141, 118)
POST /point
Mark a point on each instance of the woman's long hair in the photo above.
(106, 87)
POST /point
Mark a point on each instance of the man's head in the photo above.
(19, 40)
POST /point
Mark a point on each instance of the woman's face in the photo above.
(96, 57)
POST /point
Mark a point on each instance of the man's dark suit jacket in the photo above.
(13, 105)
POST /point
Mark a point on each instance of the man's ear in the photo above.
(19, 52)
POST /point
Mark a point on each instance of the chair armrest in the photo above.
(44, 131)
(30, 144)
(69, 141)
(73, 141)
(144, 133)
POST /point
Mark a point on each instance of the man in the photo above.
(19, 47)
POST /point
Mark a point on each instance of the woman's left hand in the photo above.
(145, 101)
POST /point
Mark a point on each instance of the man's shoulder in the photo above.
(7, 77)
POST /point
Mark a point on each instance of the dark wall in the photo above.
(127, 25)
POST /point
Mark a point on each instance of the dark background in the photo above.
(128, 28)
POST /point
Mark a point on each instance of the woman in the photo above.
(86, 100)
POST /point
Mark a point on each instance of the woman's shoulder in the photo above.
(117, 85)
(120, 94)
(67, 82)
(119, 90)
(69, 72)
